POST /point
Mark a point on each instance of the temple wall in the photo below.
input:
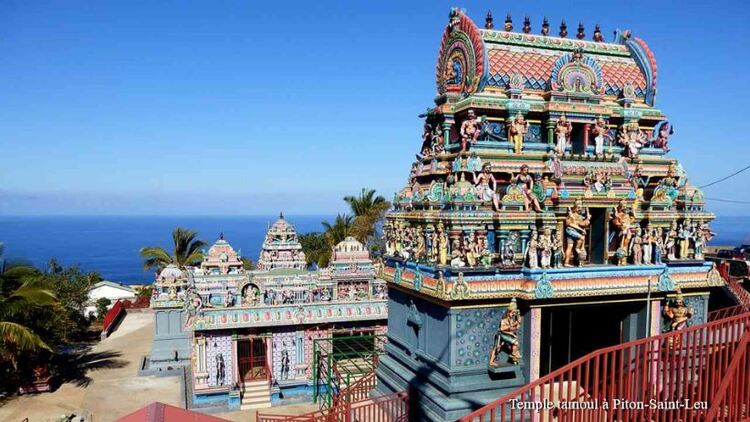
(220, 344)
(169, 337)
(284, 339)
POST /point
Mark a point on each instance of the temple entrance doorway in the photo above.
(576, 139)
(597, 236)
(570, 332)
(251, 359)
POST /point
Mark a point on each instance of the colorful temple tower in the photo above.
(542, 220)
(281, 248)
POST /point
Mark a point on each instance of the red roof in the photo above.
(160, 412)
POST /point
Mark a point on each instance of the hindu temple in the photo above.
(543, 219)
(248, 338)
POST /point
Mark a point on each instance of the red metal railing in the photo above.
(726, 312)
(389, 408)
(112, 316)
(669, 377)
(732, 399)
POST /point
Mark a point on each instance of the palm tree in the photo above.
(368, 209)
(315, 246)
(14, 336)
(187, 251)
(341, 228)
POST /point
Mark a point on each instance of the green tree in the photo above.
(102, 306)
(316, 249)
(368, 209)
(16, 337)
(146, 291)
(342, 227)
(187, 251)
(247, 263)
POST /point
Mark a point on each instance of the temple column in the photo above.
(535, 343)
(269, 354)
(550, 134)
(586, 131)
(201, 363)
(447, 125)
(235, 360)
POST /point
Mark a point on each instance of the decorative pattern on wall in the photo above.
(475, 329)
(220, 346)
(311, 335)
(698, 304)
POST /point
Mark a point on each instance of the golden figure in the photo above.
(517, 128)
(576, 223)
(678, 315)
(442, 244)
(506, 339)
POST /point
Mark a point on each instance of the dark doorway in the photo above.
(597, 240)
(570, 332)
(252, 359)
(576, 138)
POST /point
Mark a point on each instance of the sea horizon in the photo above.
(109, 244)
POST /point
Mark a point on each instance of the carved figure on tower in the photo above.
(532, 251)
(517, 128)
(670, 241)
(545, 248)
(577, 223)
(525, 183)
(486, 186)
(471, 128)
(563, 129)
(662, 139)
(506, 339)
(442, 244)
(632, 139)
(648, 246)
(684, 236)
(678, 314)
(623, 221)
(599, 130)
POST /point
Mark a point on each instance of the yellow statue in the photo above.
(576, 223)
(517, 128)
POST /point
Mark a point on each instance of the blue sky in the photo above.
(251, 107)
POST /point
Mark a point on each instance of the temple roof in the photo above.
(489, 58)
(281, 248)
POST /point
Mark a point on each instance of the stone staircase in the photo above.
(257, 395)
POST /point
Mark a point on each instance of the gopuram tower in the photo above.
(542, 220)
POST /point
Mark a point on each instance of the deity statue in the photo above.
(485, 257)
(623, 220)
(662, 139)
(517, 128)
(251, 296)
(426, 150)
(576, 223)
(284, 365)
(438, 146)
(648, 250)
(701, 235)
(599, 130)
(563, 129)
(220, 370)
(471, 128)
(525, 183)
(508, 249)
(670, 242)
(677, 313)
(557, 251)
(669, 184)
(545, 247)
(434, 247)
(684, 236)
(532, 251)
(659, 246)
(470, 250)
(457, 258)
(637, 247)
(442, 244)
(632, 139)
(506, 338)
(486, 185)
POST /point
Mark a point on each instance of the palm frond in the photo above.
(21, 337)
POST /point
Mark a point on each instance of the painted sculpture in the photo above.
(576, 226)
(471, 128)
(563, 129)
(517, 128)
(506, 338)
(600, 130)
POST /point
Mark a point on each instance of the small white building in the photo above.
(111, 291)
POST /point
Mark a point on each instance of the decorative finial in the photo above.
(488, 21)
(563, 29)
(508, 23)
(526, 25)
(513, 305)
(545, 27)
(598, 37)
(221, 236)
(580, 35)
(281, 215)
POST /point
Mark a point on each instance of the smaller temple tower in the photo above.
(281, 248)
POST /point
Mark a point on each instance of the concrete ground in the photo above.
(108, 386)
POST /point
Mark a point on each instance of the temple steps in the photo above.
(257, 395)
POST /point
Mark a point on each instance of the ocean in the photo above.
(110, 245)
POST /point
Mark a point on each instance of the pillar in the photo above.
(447, 125)
(550, 134)
(536, 343)
(586, 131)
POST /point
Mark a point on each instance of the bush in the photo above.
(102, 305)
